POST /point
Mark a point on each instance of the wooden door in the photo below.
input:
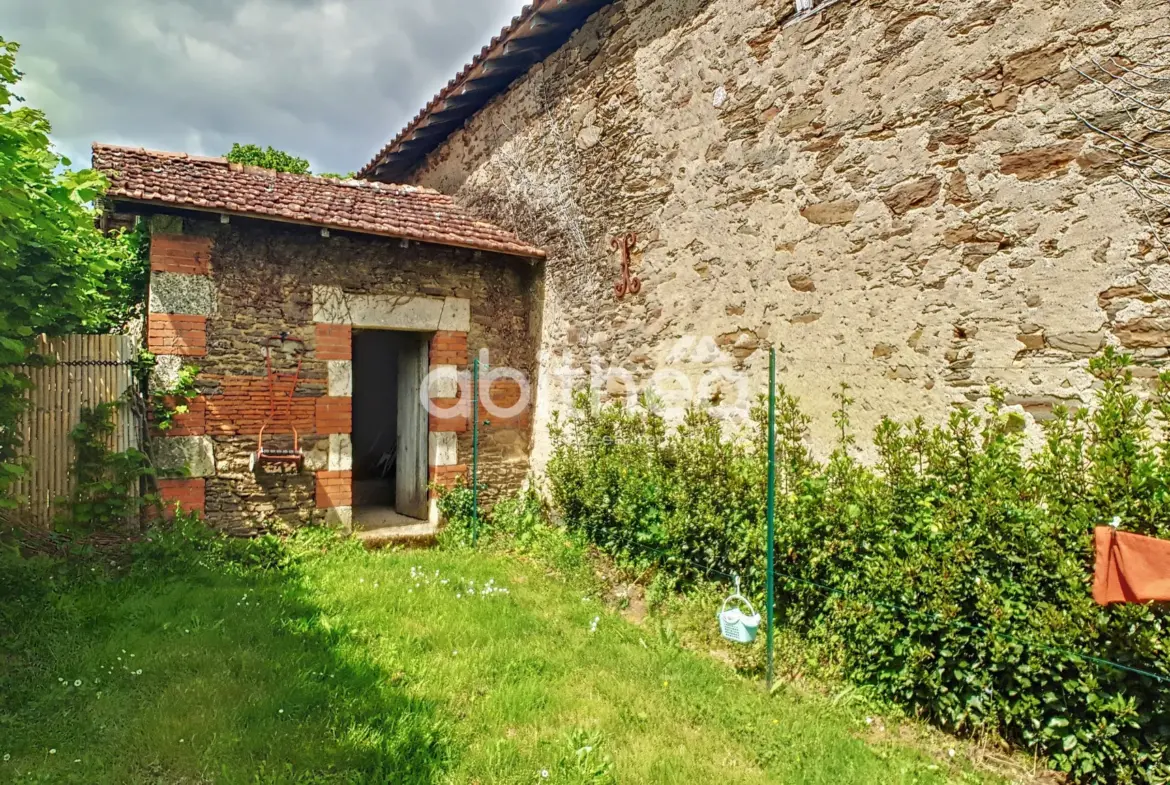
(411, 476)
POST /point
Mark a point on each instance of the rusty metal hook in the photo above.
(628, 283)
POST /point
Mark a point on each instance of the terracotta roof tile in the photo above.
(214, 184)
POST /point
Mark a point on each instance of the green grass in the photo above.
(348, 666)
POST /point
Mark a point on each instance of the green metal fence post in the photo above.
(475, 451)
(771, 561)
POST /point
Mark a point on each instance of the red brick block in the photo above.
(455, 417)
(179, 253)
(191, 423)
(447, 476)
(334, 415)
(243, 405)
(168, 333)
(334, 342)
(334, 489)
(449, 348)
(187, 494)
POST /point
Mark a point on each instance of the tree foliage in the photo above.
(61, 274)
(270, 158)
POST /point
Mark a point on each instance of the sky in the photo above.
(328, 80)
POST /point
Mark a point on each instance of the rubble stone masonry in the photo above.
(252, 280)
(896, 192)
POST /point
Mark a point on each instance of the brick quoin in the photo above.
(242, 407)
(334, 342)
(178, 253)
(334, 415)
(504, 394)
(176, 334)
(449, 348)
(456, 424)
(192, 423)
(334, 489)
(447, 476)
(188, 493)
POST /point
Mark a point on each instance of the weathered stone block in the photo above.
(802, 283)
(443, 449)
(340, 378)
(918, 193)
(183, 294)
(193, 455)
(340, 452)
(1082, 343)
(1040, 162)
(830, 213)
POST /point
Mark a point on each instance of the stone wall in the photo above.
(895, 192)
(219, 290)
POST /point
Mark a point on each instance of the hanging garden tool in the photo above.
(281, 388)
(734, 623)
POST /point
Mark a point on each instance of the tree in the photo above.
(60, 274)
(271, 158)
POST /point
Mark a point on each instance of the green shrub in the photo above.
(457, 510)
(951, 576)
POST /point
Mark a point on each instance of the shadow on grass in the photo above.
(199, 663)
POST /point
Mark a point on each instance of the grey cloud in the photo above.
(331, 80)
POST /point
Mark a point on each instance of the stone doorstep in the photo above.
(420, 535)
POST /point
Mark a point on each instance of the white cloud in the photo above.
(330, 80)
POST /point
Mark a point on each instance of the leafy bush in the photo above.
(270, 158)
(457, 509)
(952, 576)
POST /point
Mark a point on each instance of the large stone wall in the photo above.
(219, 290)
(897, 193)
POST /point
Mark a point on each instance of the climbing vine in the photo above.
(166, 403)
(106, 493)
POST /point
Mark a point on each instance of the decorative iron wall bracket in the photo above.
(628, 283)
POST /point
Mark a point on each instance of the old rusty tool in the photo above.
(265, 455)
(629, 283)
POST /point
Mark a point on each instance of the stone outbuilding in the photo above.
(339, 318)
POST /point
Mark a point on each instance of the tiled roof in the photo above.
(541, 29)
(214, 184)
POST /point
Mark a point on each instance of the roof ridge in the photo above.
(349, 182)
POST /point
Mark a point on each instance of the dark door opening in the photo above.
(389, 426)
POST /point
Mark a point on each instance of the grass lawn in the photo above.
(348, 666)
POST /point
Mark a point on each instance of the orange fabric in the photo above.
(1130, 567)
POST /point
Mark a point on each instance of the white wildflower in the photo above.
(77, 683)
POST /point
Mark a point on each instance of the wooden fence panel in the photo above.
(90, 370)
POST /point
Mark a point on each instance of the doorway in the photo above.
(390, 428)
